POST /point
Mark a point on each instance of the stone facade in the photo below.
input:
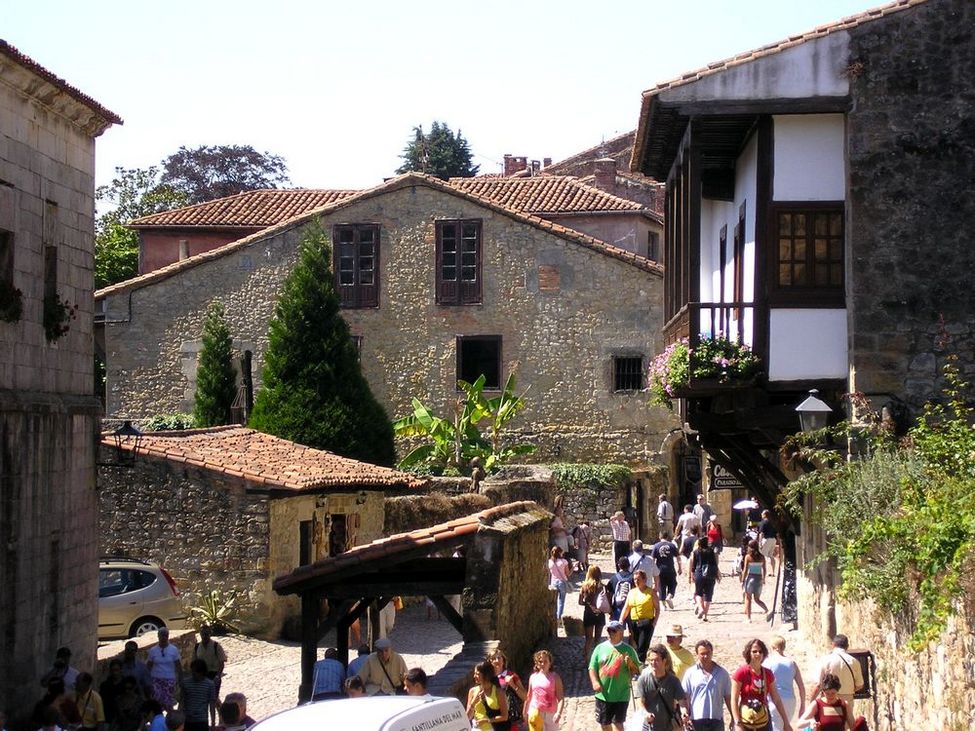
(218, 532)
(48, 411)
(563, 311)
(911, 154)
(506, 595)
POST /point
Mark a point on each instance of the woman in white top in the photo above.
(787, 678)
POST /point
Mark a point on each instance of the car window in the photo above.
(110, 582)
(141, 579)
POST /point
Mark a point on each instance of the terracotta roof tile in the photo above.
(402, 543)
(402, 181)
(265, 460)
(794, 40)
(27, 62)
(545, 194)
(254, 208)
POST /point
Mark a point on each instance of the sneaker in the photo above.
(670, 603)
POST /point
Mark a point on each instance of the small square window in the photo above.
(628, 373)
(479, 355)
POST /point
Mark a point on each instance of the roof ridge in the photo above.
(588, 150)
(391, 184)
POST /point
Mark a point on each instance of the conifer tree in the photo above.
(216, 380)
(313, 389)
(439, 152)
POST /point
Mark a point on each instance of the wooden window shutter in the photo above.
(368, 265)
(447, 269)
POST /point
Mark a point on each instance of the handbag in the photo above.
(754, 714)
(602, 602)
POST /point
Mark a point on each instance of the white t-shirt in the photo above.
(163, 662)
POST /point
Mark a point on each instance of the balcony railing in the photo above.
(732, 320)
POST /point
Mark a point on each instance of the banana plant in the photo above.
(454, 442)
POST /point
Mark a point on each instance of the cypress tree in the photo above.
(313, 390)
(216, 380)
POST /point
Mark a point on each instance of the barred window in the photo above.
(628, 373)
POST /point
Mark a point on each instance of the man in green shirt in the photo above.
(611, 669)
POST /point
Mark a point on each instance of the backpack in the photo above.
(621, 591)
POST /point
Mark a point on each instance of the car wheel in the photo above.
(145, 625)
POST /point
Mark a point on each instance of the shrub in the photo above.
(314, 392)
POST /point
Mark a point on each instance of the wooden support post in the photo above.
(448, 611)
(309, 644)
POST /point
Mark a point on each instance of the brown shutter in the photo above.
(367, 271)
(447, 244)
(469, 272)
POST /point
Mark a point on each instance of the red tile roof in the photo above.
(426, 540)
(795, 40)
(262, 208)
(545, 194)
(265, 461)
(12, 53)
(402, 181)
(583, 160)
(253, 208)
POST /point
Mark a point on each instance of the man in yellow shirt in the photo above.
(89, 703)
(680, 657)
(640, 613)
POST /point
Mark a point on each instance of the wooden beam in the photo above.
(335, 613)
(448, 611)
(394, 588)
(309, 643)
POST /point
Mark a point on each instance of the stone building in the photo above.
(579, 318)
(817, 196)
(48, 410)
(230, 508)
(494, 558)
(172, 236)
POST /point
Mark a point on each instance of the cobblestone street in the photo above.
(268, 672)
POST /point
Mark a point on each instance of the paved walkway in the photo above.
(268, 672)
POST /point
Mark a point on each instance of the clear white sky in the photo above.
(336, 87)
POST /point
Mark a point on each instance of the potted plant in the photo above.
(717, 359)
(11, 302)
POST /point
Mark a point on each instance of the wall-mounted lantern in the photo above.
(127, 434)
(813, 412)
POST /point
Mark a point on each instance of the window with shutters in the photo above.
(357, 264)
(459, 262)
(808, 254)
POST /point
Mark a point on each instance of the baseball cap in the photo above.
(383, 644)
(614, 626)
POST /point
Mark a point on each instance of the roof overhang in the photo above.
(726, 100)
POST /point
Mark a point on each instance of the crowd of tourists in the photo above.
(154, 694)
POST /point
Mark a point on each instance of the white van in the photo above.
(376, 713)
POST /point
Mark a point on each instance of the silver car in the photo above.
(136, 597)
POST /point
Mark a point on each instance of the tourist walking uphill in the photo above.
(640, 613)
(707, 686)
(546, 694)
(752, 686)
(487, 704)
(787, 680)
(660, 693)
(621, 536)
(611, 668)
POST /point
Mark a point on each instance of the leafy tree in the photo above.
(216, 380)
(216, 171)
(132, 193)
(314, 392)
(440, 153)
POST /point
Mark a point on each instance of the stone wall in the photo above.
(510, 555)
(48, 411)
(213, 533)
(911, 156)
(562, 335)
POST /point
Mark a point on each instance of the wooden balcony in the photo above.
(733, 320)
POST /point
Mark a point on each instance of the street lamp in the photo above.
(125, 433)
(813, 412)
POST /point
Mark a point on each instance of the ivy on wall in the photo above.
(899, 520)
(597, 477)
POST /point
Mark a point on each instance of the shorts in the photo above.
(593, 619)
(753, 585)
(609, 712)
(704, 587)
(768, 547)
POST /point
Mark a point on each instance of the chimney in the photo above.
(184, 249)
(546, 162)
(606, 174)
(536, 166)
(514, 165)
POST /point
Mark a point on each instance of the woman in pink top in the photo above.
(545, 695)
(558, 569)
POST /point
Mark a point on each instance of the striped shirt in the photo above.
(198, 695)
